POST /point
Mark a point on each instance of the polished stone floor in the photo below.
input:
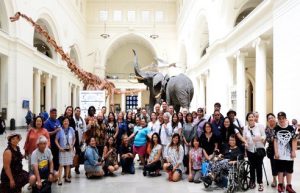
(138, 183)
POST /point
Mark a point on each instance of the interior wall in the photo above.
(121, 61)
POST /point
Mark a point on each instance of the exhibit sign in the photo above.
(89, 98)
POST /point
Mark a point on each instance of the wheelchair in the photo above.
(237, 177)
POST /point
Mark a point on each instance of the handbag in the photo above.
(260, 152)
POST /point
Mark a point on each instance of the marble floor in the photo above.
(138, 183)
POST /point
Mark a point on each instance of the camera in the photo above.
(67, 148)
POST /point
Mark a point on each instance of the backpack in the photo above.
(2, 126)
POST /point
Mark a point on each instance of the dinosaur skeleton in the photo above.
(90, 81)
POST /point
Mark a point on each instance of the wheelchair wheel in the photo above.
(244, 175)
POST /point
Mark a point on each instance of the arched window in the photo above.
(74, 55)
(42, 47)
(3, 18)
(40, 43)
(243, 15)
(204, 50)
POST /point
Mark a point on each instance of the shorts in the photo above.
(139, 150)
(285, 166)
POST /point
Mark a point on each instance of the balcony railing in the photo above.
(120, 75)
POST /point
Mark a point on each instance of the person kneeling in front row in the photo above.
(174, 156)
(154, 161)
(92, 163)
(42, 163)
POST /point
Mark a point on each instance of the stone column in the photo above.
(261, 78)
(240, 85)
(78, 95)
(123, 100)
(69, 94)
(202, 91)
(74, 99)
(37, 91)
(140, 99)
(54, 92)
(48, 102)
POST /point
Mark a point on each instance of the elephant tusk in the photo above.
(139, 78)
(158, 95)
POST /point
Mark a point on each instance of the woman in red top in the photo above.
(32, 136)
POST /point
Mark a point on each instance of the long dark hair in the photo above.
(181, 121)
(158, 139)
(131, 119)
(178, 144)
(189, 114)
(173, 123)
(65, 114)
(107, 142)
(114, 121)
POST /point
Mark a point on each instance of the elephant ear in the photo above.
(157, 78)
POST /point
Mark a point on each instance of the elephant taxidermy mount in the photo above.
(175, 90)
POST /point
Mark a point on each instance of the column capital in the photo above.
(205, 74)
(38, 72)
(260, 42)
(49, 76)
(240, 53)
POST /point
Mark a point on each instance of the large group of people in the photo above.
(175, 142)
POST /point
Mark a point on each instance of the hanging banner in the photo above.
(91, 98)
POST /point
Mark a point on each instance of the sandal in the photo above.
(274, 184)
(59, 183)
(260, 187)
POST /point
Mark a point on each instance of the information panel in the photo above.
(91, 98)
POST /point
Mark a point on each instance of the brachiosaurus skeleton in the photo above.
(90, 81)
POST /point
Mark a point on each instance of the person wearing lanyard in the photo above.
(80, 129)
(255, 136)
(65, 140)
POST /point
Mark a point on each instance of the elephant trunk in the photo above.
(137, 70)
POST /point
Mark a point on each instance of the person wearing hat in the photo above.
(232, 116)
(285, 146)
(217, 107)
(42, 163)
(13, 177)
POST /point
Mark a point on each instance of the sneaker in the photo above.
(289, 189)
(280, 188)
